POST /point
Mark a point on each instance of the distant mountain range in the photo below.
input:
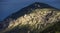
(31, 19)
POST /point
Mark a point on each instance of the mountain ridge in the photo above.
(32, 6)
(16, 18)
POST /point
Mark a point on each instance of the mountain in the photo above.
(34, 18)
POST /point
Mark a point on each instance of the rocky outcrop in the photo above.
(33, 20)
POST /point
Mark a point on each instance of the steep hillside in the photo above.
(31, 19)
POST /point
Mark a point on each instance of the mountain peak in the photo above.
(37, 16)
(32, 6)
(40, 5)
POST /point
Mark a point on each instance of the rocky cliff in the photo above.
(31, 19)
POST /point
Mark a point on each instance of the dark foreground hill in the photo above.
(35, 18)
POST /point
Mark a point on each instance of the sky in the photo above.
(8, 7)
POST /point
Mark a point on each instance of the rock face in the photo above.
(32, 19)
